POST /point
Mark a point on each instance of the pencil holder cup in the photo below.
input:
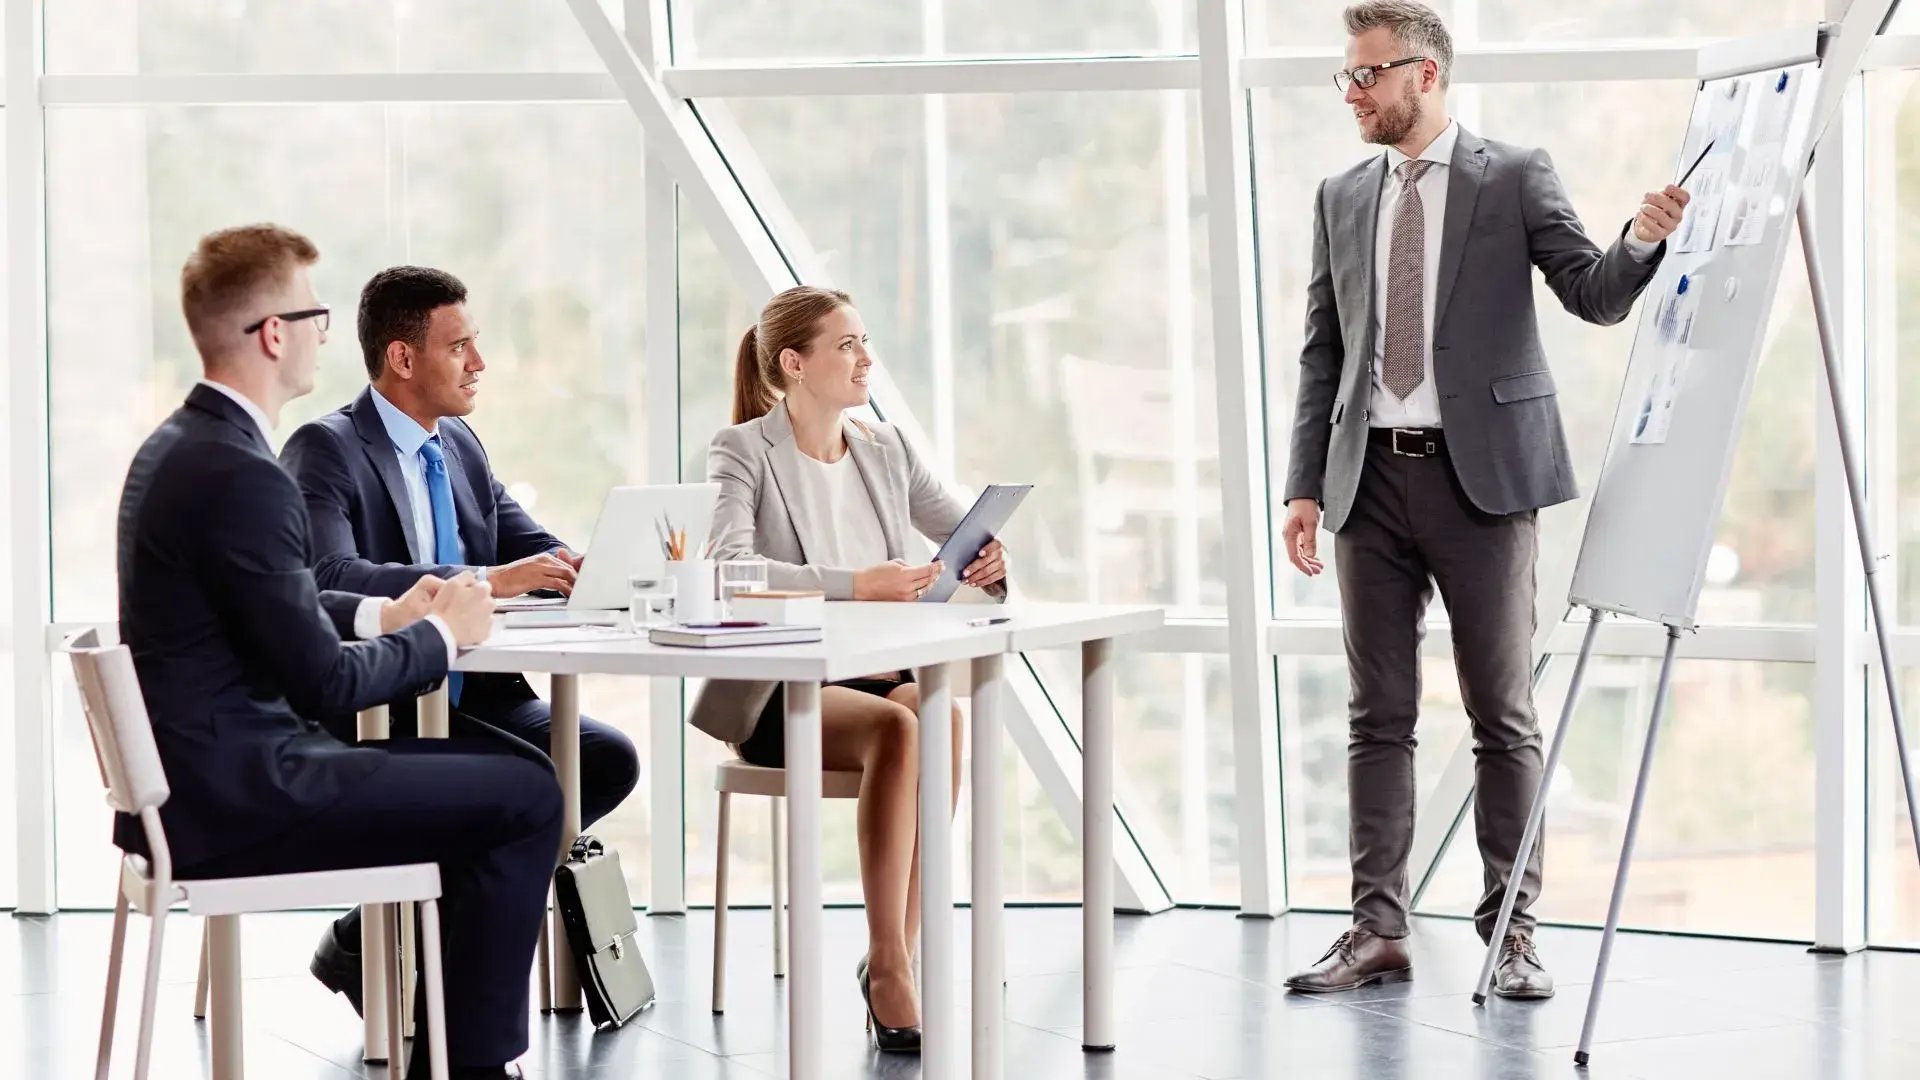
(693, 590)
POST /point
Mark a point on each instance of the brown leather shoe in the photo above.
(1357, 958)
(1520, 973)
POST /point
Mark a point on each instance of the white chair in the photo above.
(136, 784)
(739, 778)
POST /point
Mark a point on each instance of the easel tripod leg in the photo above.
(1581, 1055)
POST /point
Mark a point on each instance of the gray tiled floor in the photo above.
(1198, 996)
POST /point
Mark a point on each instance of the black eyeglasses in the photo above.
(1365, 77)
(323, 313)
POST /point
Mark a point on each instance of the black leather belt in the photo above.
(1409, 442)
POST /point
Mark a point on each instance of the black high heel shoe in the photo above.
(890, 1040)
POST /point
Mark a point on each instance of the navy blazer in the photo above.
(362, 520)
(236, 648)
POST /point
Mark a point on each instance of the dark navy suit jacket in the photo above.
(237, 649)
(362, 520)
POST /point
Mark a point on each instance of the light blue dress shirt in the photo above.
(408, 437)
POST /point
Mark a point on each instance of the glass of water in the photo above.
(745, 574)
(650, 602)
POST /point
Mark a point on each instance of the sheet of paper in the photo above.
(510, 636)
(1700, 225)
(1655, 415)
(1747, 209)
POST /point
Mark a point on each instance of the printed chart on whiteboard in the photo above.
(1702, 323)
(1734, 192)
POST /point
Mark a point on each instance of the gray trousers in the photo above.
(1413, 528)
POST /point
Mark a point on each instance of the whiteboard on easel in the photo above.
(1656, 508)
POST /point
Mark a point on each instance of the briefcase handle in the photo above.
(584, 848)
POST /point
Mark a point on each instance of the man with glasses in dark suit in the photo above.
(1426, 437)
(240, 655)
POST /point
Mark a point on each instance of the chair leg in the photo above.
(396, 1001)
(143, 1056)
(409, 969)
(720, 903)
(779, 889)
(200, 986)
(543, 959)
(436, 991)
(226, 1020)
(115, 955)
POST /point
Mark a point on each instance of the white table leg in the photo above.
(1096, 762)
(805, 973)
(371, 726)
(989, 942)
(223, 957)
(666, 790)
(938, 1040)
(564, 743)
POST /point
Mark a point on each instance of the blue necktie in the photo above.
(446, 532)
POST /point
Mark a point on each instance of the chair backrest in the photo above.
(117, 719)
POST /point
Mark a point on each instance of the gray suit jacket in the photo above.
(763, 511)
(1506, 213)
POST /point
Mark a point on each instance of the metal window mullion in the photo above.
(1238, 392)
(33, 758)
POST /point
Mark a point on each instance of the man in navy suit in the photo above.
(239, 653)
(396, 486)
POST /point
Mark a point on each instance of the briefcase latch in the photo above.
(617, 949)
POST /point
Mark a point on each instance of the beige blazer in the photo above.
(763, 510)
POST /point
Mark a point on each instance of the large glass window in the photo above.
(1893, 872)
(173, 37)
(1893, 333)
(1072, 356)
(870, 29)
(1726, 838)
(1055, 340)
(1474, 22)
(10, 638)
(535, 207)
(1009, 386)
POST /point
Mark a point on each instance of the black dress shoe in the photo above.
(1357, 958)
(337, 968)
(1520, 973)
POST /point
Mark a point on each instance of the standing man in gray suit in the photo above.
(1426, 438)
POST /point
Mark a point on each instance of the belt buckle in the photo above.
(1430, 447)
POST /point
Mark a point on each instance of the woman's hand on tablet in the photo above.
(990, 568)
(894, 580)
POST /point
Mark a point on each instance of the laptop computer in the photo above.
(625, 544)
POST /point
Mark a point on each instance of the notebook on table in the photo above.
(716, 636)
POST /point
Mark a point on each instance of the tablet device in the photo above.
(975, 531)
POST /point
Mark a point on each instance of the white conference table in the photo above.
(860, 639)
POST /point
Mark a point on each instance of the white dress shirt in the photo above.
(408, 437)
(366, 617)
(1421, 408)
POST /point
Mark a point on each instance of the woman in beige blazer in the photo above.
(828, 501)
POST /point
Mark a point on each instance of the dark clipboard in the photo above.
(983, 522)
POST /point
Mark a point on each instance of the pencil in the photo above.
(1682, 182)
